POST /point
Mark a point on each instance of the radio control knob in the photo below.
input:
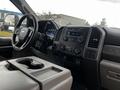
(77, 51)
(62, 47)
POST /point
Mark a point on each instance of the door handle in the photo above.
(114, 75)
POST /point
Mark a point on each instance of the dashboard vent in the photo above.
(94, 38)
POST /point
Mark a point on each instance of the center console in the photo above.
(82, 47)
(32, 73)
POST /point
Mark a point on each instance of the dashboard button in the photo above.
(65, 39)
(80, 39)
(62, 47)
(69, 49)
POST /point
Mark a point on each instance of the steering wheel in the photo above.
(24, 35)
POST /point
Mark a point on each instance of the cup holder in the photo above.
(30, 63)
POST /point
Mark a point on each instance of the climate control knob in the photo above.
(77, 51)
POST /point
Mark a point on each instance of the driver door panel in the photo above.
(5, 42)
(5, 48)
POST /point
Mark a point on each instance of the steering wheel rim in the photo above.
(23, 36)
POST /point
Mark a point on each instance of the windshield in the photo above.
(74, 12)
(79, 12)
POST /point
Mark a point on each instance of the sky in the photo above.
(91, 10)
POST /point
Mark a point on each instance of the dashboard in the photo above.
(85, 48)
(81, 48)
(72, 40)
(85, 42)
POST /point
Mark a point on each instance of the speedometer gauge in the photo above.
(50, 33)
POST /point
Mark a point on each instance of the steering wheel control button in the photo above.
(23, 33)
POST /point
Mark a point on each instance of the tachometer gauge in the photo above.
(50, 33)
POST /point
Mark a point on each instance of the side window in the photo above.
(8, 19)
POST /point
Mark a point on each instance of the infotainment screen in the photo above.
(72, 33)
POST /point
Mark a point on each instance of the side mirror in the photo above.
(9, 22)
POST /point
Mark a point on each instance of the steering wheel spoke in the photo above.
(31, 28)
(31, 31)
(17, 39)
(17, 31)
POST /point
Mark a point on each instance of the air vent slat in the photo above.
(94, 39)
